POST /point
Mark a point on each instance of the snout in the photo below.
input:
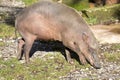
(96, 63)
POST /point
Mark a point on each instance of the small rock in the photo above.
(22, 61)
(2, 78)
(0, 55)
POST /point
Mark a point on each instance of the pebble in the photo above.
(2, 78)
(108, 71)
(1, 39)
(22, 61)
(0, 55)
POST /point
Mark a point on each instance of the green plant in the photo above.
(29, 2)
(2, 44)
(111, 57)
(91, 20)
(6, 31)
(50, 67)
(102, 14)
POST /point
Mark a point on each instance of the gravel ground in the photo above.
(108, 71)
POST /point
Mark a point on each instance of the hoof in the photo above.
(83, 62)
(27, 61)
(71, 62)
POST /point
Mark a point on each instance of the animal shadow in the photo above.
(51, 46)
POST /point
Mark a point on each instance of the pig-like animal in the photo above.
(48, 20)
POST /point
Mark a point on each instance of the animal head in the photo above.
(92, 47)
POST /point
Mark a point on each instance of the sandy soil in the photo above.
(107, 33)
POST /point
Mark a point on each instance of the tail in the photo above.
(16, 31)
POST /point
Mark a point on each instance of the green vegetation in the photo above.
(77, 4)
(2, 44)
(94, 15)
(51, 67)
(102, 14)
(116, 47)
(112, 57)
(29, 2)
(6, 32)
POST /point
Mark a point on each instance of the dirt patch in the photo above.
(107, 33)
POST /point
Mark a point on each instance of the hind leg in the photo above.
(29, 40)
(20, 46)
(27, 48)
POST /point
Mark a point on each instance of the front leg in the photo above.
(68, 56)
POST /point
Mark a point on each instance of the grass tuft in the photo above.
(6, 31)
(51, 67)
(112, 57)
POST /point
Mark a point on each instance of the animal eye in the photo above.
(74, 43)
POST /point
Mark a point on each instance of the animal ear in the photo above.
(85, 37)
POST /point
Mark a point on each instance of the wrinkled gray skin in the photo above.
(47, 20)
